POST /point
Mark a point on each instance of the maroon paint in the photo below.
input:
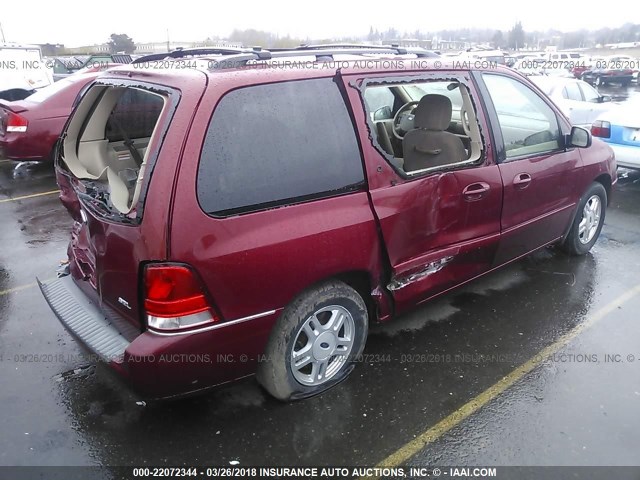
(258, 262)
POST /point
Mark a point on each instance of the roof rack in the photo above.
(189, 52)
(238, 57)
(397, 49)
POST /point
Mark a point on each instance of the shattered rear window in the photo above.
(106, 144)
(136, 113)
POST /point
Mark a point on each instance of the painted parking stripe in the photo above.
(22, 287)
(403, 454)
(17, 289)
(33, 195)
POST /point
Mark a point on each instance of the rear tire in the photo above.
(588, 222)
(315, 342)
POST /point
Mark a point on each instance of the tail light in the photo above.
(16, 123)
(601, 128)
(174, 298)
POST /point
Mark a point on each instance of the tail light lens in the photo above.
(601, 128)
(174, 298)
(16, 123)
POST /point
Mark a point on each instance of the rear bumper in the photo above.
(156, 365)
(85, 320)
(626, 155)
(19, 149)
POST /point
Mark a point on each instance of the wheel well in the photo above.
(605, 180)
(360, 281)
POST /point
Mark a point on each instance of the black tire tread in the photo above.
(572, 244)
(273, 373)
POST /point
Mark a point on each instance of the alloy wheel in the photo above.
(322, 345)
(591, 214)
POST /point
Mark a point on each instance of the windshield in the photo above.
(419, 90)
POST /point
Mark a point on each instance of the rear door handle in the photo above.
(522, 180)
(475, 191)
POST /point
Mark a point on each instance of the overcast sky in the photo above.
(76, 23)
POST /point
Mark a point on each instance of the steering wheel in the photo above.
(401, 115)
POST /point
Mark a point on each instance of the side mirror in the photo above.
(579, 137)
(383, 113)
(605, 98)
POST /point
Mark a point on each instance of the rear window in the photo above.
(270, 145)
(134, 116)
(107, 144)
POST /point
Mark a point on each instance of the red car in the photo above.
(250, 214)
(29, 128)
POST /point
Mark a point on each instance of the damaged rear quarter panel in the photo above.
(119, 250)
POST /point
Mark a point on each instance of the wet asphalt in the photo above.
(580, 407)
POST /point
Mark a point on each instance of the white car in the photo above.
(579, 101)
(22, 71)
(620, 129)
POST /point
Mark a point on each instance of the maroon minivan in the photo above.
(254, 211)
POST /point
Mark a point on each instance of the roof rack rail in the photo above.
(344, 46)
(238, 57)
(189, 52)
(350, 47)
(329, 52)
(306, 46)
(320, 54)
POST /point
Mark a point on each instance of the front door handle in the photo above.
(475, 191)
(522, 180)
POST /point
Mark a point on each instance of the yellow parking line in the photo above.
(17, 289)
(403, 454)
(23, 287)
(24, 197)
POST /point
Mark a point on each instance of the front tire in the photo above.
(315, 342)
(588, 222)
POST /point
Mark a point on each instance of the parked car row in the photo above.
(602, 71)
(23, 70)
(597, 71)
(616, 124)
(578, 100)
